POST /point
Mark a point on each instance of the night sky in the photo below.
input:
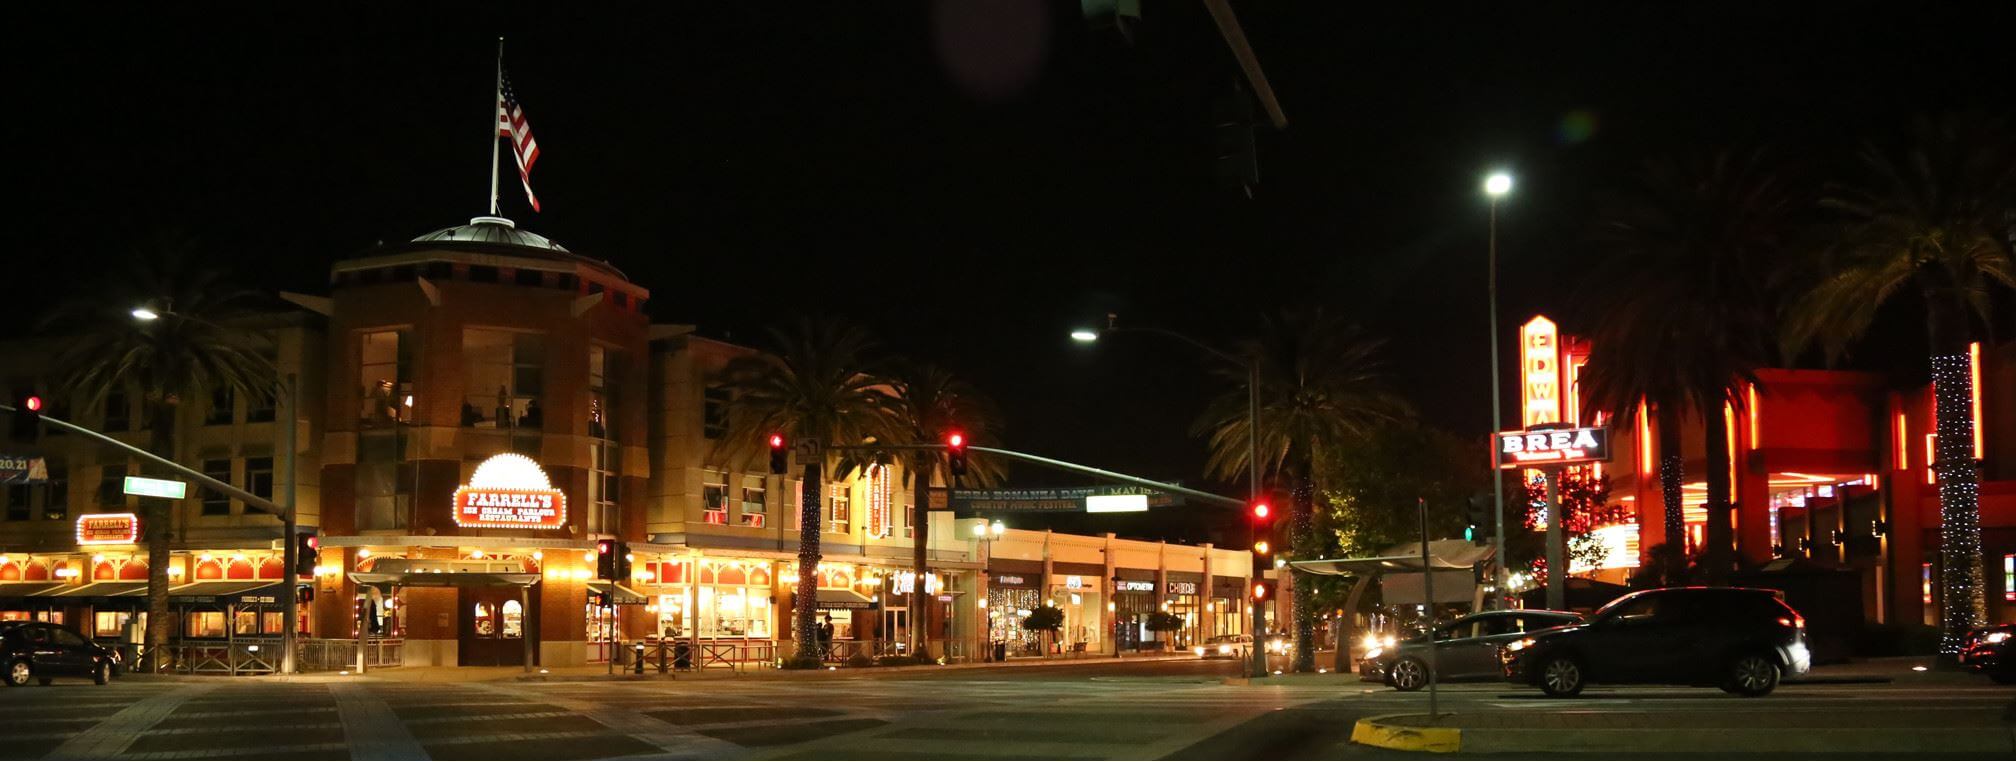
(970, 179)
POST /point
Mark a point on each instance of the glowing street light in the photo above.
(1084, 335)
(1498, 184)
(143, 313)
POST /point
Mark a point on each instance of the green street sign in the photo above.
(145, 487)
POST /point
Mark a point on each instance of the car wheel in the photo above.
(102, 674)
(1561, 676)
(1752, 675)
(17, 674)
(1408, 674)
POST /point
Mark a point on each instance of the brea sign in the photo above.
(1553, 447)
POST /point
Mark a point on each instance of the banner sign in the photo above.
(107, 528)
(1552, 447)
(21, 469)
(1055, 500)
(1134, 586)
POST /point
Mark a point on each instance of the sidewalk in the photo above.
(1892, 731)
(601, 672)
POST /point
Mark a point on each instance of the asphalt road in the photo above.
(1179, 710)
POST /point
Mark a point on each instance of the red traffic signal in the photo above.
(778, 455)
(604, 547)
(1259, 591)
(1261, 510)
(955, 453)
(956, 441)
(33, 404)
(776, 441)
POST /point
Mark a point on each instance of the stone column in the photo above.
(1207, 614)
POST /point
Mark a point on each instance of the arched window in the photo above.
(272, 568)
(10, 572)
(486, 620)
(104, 570)
(135, 569)
(514, 620)
(36, 571)
(210, 569)
(239, 569)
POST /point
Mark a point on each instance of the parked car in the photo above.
(1743, 640)
(43, 652)
(1991, 651)
(1225, 647)
(1466, 649)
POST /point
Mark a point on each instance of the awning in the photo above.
(98, 592)
(443, 579)
(227, 592)
(615, 594)
(1442, 554)
(19, 590)
(844, 599)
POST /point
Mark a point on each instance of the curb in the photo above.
(1380, 733)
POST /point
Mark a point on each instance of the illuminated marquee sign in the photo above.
(1540, 372)
(107, 528)
(1553, 447)
(879, 495)
(510, 491)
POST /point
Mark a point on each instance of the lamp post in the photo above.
(1252, 365)
(285, 389)
(1496, 186)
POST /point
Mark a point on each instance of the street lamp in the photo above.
(1252, 365)
(285, 389)
(1496, 186)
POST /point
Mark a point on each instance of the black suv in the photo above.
(44, 651)
(1739, 639)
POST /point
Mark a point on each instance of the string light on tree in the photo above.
(1960, 578)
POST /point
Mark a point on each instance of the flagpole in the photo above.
(496, 97)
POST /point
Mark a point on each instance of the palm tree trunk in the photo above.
(1719, 554)
(155, 523)
(920, 534)
(807, 603)
(1672, 476)
(1304, 539)
(1964, 604)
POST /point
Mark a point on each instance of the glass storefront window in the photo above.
(107, 624)
(514, 619)
(203, 624)
(486, 620)
(245, 622)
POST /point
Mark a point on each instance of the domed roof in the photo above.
(492, 230)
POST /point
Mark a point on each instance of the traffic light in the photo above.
(1477, 512)
(1259, 590)
(622, 562)
(1263, 537)
(27, 428)
(605, 559)
(955, 453)
(306, 554)
(778, 455)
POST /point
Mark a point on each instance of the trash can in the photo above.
(1000, 650)
(682, 655)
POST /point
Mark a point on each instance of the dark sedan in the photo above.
(1739, 639)
(1466, 649)
(42, 652)
(1991, 651)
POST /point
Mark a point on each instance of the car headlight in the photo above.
(1390, 641)
(1520, 644)
(1995, 637)
(1224, 650)
(1374, 653)
(1199, 650)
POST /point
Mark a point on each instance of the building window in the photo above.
(221, 403)
(259, 408)
(600, 368)
(906, 515)
(714, 495)
(524, 277)
(18, 508)
(259, 477)
(118, 413)
(385, 368)
(840, 510)
(56, 494)
(483, 273)
(602, 471)
(112, 484)
(714, 412)
(217, 503)
(755, 496)
(505, 378)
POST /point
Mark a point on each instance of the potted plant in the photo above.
(1046, 621)
(1161, 623)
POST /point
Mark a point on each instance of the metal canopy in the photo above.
(97, 591)
(443, 579)
(1442, 554)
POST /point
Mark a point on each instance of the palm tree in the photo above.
(1933, 220)
(1320, 388)
(813, 385)
(1685, 313)
(186, 354)
(931, 403)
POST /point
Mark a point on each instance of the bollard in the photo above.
(663, 665)
(637, 658)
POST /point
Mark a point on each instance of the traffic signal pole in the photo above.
(1258, 659)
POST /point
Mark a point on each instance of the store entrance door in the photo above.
(494, 625)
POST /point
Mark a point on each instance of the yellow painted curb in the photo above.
(1374, 731)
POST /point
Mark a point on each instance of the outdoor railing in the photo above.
(243, 656)
(335, 654)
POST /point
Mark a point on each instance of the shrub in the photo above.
(1044, 619)
(1163, 621)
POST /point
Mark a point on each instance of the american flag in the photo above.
(511, 123)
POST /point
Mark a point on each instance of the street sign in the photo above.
(145, 487)
(1552, 447)
(1107, 499)
(807, 448)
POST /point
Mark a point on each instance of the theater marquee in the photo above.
(510, 491)
(107, 528)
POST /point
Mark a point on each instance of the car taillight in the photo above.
(1794, 621)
